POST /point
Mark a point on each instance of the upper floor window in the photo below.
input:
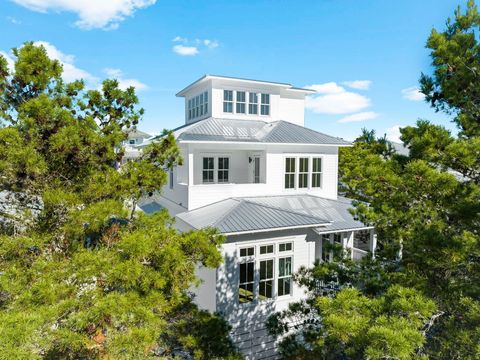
(205, 102)
(240, 108)
(198, 105)
(285, 276)
(266, 249)
(316, 172)
(208, 169)
(303, 172)
(228, 101)
(265, 104)
(290, 173)
(285, 247)
(223, 168)
(131, 142)
(253, 103)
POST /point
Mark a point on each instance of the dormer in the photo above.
(225, 97)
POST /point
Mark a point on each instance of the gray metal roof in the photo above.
(336, 211)
(255, 131)
(241, 215)
(264, 213)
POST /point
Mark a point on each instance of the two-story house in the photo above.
(252, 170)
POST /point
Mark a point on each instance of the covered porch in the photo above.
(357, 243)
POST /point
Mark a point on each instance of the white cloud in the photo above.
(70, 71)
(10, 62)
(211, 44)
(104, 14)
(13, 20)
(334, 99)
(358, 84)
(192, 47)
(124, 83)
(413, 93)
(393, 134)
(185, 50)
(362, 116)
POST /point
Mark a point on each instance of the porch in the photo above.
(356, 243)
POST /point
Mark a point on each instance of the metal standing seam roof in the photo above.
(240, 215)
(265, 213)
(255, 131)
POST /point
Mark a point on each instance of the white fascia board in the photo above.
(320, 232)
(257, 143)
(276, 229)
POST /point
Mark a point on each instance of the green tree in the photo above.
(82, 274)
(426, 210)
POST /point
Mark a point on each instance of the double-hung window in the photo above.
(240, 106)
(205, 102)
(201, 104)
(189, 109)
(290, 173)
(247, 279)
(285, 276)
(316, 172)
(228, 101)
(208, 169)
(303, 173)
(253, 103)
(265, 104)
(265, 288)
(223, 168)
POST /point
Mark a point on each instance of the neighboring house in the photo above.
(135, 137)
(252, 170)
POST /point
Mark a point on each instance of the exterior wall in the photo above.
(274, 170)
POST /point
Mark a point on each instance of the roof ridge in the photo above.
(284, 210)
(221, 218)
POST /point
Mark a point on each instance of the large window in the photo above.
(303, 172)
(265, 104)
(205, 102)
(316, 172)
(290, 173)
(285, 276)
(228, 101)
(252, 103)
(223, 167)
(265, 288)
(240, 106)
(208, 170)
(245, 293)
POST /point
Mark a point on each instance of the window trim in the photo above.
(231, 102)
(253, 104)
(303, 173)
(297, 173)
(272, 279)
(285, 276)
(209, 169)
(226, 170)
(266, 104)
(290, 173)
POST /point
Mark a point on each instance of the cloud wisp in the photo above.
(332, 98)
(358, 84)
(185, 47)
(412, 93)
(124, 83)
(92, 14)
(361, 116)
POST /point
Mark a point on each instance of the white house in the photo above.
(131, 148)
(252, 170)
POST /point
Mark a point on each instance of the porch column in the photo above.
(190, 168)
(347, 242)
(373, 243)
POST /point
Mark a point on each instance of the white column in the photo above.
(373, 243)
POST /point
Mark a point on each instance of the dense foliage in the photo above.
(82, 274)
(426, 209)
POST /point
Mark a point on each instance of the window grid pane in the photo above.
(208, 169)
(316, 172)
(289, 173)
(223, 167)
(266, 280)
(303, 173)
(265, 104)
(246, 283)
(284, 276)
(228, 101)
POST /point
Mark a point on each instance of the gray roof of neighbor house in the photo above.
(254, 131)
(266, 213)
(135, 133)
(241, 215)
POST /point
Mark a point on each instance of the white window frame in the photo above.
(265, 105)
(297, 172)
(227, 169)
(208, 169)
(279, 278)
(290, 173)
(303, 173)
(251, 104)
(205, 102)
(231, 101)
(240, 103)
(216, 169)
(272, 278)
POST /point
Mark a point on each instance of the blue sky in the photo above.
(360, 55)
